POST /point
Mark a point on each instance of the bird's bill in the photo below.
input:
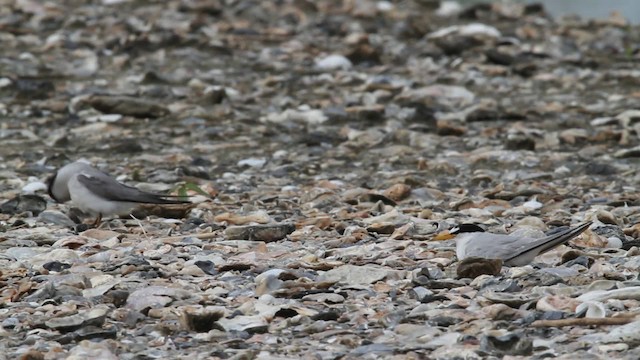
(443, 235)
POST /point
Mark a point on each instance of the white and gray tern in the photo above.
(513, 250)
(99, 194)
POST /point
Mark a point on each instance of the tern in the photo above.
(471, 240)
(99, 194)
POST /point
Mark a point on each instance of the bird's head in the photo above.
(462, 228)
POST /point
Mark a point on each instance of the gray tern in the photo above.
(97, 193)
(471, 240)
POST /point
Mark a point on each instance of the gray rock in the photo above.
(155, 297)
(266, 233)
(95, 317)
(357, 275)
(24, 203)
(55, 217)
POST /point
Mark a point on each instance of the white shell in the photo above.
(592, 309)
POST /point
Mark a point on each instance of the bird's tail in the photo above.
(549, 242)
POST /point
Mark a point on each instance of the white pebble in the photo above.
(449, 8)
(107, 118)
(253, 162)
(333, 62)
(33, 187)
(384, 6)
(532, 204)
(602, 121)
(280, 154)
(4, 82)
(614, 242)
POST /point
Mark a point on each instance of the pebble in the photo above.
(33, 187)
(333, 62)
(267, 233)
(56, 218)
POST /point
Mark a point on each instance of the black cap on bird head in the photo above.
(466, 228)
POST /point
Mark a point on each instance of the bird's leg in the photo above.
(98, 221)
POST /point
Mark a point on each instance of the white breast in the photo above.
(90, 203)
(462, 243)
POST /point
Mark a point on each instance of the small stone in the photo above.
(382, 228)
(328, 298)
(398, 192)
(56, 218)
(422, 294)
(126, 105)
(350, 274)
(100, 235)
(333, 62)
(155, 297)
(208, 267)
(265, 233)
(508, 344)
(260, 216)
(87, 349)
(253, 162)
(520, 142)
(269, 281)
(628, 153)
(95, 316)
(251, 324)
(473, 267)
(33, 187)
(24, 203)
(56, 266)
(201, 319)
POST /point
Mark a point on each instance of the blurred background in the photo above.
(630, 9)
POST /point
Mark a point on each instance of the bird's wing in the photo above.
(490, 246)
(547, 243)
(109, 188)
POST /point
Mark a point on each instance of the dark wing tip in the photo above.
(171, 199)
(580, 228)
(156, 198)
(557, 239)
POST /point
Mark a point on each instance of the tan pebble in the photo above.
(607, 218)
(499, 312)
(590, 239)
(531, 221)
(71, 242)
(398, 192)
(191, 270)
(571, 255)
(633, 231)
(321, 222)
(441, 261)
(557, 303)
(156, 313)
(403, 231)
(260, 217)
(100, 234)
(634, 251)
(445, 128)
(425, 214)
(381, 228)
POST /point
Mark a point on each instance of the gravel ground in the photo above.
(324, 146)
